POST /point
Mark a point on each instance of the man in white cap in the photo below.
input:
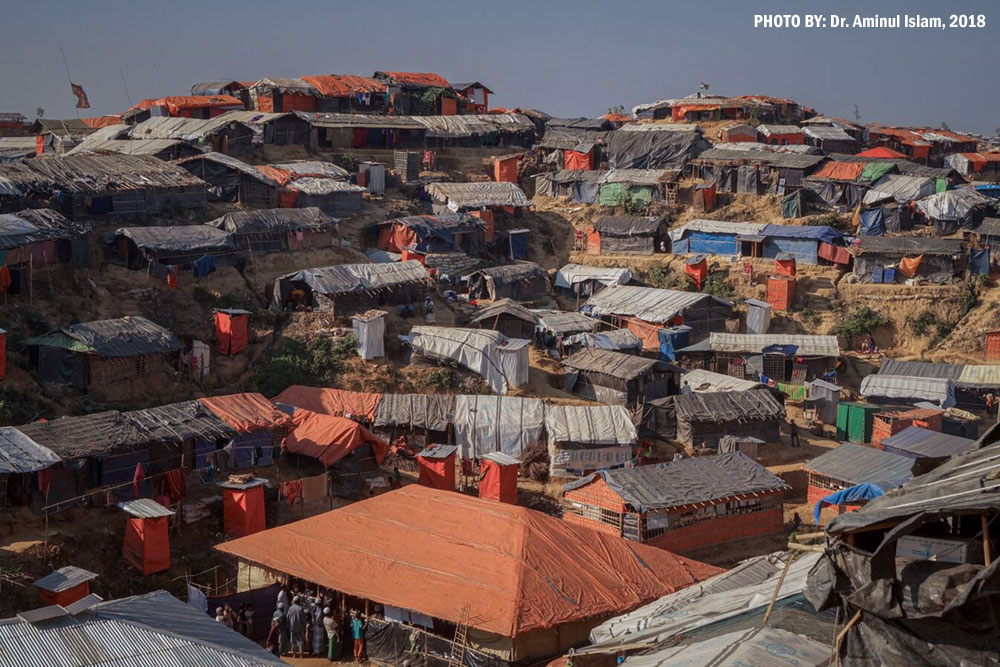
(220, 617)
(296, 617)
(332, 635)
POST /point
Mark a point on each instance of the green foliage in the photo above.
(716, 284)
(860, 322)
(661, 276)
(628, 205)
(922, 323)
(983, 281)
(969, 300)
(18, 406)
(259, 316)
(318, 362)
(809, 316)
(441, 378)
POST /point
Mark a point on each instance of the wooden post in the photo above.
(986, 540)
(774, 597)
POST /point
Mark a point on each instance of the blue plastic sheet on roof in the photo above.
(712, 243)
(853, 494)
(979, 262)
(786, 350)
(872, 222)
(817, 232)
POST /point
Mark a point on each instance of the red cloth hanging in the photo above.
(45, 480)
(174, 484)
(173, 277)
(292, 491)
(137, 479)
(4, 279)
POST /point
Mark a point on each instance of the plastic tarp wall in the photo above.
(711, 244)
(498, 482)
(231, 332)
(577, 160)
(871, 222)
(437, 473)
(370, 332)
(243, 511)
(979, 261)
(486, 424)
(804, 250)
(147, 544)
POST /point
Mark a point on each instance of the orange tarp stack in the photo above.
(329, 439)
(515, 569)
(147, 544)
(336, 402)
(247, 412)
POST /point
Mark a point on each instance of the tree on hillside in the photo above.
(39, 112)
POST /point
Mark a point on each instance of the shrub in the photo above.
(859, 322)
(660, 276)
(318, 362)
(922, 323)
(18, 406)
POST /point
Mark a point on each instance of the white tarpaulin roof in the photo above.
(573, 274)
(589, 424)
(477, 418)
(940, 391)
(808, 345)
(757, 646)
(744, 588)
(952, 204)
(718, 227)
(903, 189)
(702, 381)
(476, 349)
(649, 304)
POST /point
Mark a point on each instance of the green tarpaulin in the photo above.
(875, 170)
(796, 392)
(613, 194)
(855, 420)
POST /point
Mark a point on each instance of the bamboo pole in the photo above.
(986, 540)
(777, 589)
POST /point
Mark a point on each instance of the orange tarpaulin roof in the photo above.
(420, 79)
(102, 121)
(881, 152)
(840, 171)
(279, 175)
(178, 102)
(436, 551)
(329, 439)
(246, 412)
(342, 85)
(337, 402)
(617, 117)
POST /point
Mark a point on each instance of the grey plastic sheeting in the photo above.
(486, 424)
(19, 453)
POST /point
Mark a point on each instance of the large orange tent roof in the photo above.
(338, 402)
(420, 79)
(840, 171)
(246, 412)
(341, 85)
(436, 551)
(178, 102)
(882, 152)
(329, 438)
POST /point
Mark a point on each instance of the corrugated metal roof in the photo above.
(437, 451)
(359, 277)
(565, 323)
(474, 195)
(615, 364)
(501, 458)
(649, 304)
(241, 486)
(781, 160)
(185, 129)
(925, 369)
(824, 133)
(348, 120)
(979, 376)
(128, 146)
(922, 442)
(768, 130)
(856, 464)
(145, 508)
(65, 578)
(936, 390)
(811, 346)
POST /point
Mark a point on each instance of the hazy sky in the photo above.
(568, 58)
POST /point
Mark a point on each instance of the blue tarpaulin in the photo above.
(712, 244)
(979, 262)
(818, 232)
(786, 350)
(853, 494)
(872, 222)
(666, 345)
(518, 246)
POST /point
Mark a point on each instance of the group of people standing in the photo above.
(303, 624)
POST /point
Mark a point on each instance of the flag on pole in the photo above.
(81, 97)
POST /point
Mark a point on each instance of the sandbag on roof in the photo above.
(124, 337)
(589, 424)
(337, 402)
(725, 406)
(627, 225)
(686, 482)
(902, 189)
(329, 439)
(20, 454)
(513, 568)
(274, 220)
(179, 239)
(247, 412)
(476, 195)
(622, 366)
(574, 274)
(940, 391)
(429, 411)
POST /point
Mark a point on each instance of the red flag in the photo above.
(81, 97)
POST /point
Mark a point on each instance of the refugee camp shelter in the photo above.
(498, 477)
(979, 167)
(641, 187)
(585, 438)
(928, 258)
(738, 133)
(233, 88)
(646, 310)
(849, 465)
(65, 586)
(460, 197)
(908, 390)
(508, 317)
(618, 340)
(829, 139)
(445, 233)
(182, 106)
(231, 330)
(345, 288)
(890, 422)
(34, 239)
(232, 180)
(785, 358)
(626, 235)
(339, 130)
(97, 185)
(917, 442)
(148, 629)
(808, 244)
(437, 467)
(101, 353)
(563, 324)
(222, 134)
(502, 362)
(195, 248)
(55, 136)
(585, 280)
(270, 230)
(952, 210)
(702, 381)
(681, 506)
(275, 95)
(348, 93)
(315, 184)
(369, 329)
(615, 378)
(499, 568)
(147, 538)
(521, 281)
(700, 420)
(658, 149)
(753, 172)
(825, 397)
(780, 135)
(476, 93)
